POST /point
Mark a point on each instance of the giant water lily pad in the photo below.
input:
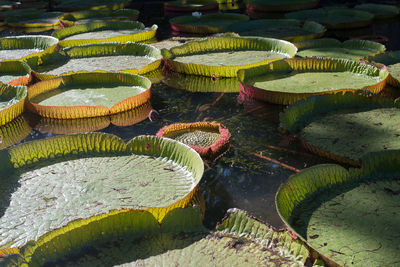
(287, 29)
(279, 5)
(380, 11)
(89, 16)
(334, 18)
(46, 19)
(181, 239)
(186, 7)
(224, 56)
(327, 47)
(209, 139)
(350, 217)
(197, 83)
(12, 99)
(392, 61)
(344, 127)
(14, 131)
(74, 5)
(13, 69)
(84, 95)
(17, 47)
(111, 31)
(211, 23)
(286, 81)
(85, 125)
(129, 57)
(80, 176)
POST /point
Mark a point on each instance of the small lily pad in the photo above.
(279, 5)
(287, 29)
(327, 47)
(111, 31)
(334, 18)
(181, 239)
(80, 176)
(380, 11)
(84, 95)
(348, 217)
(211, 23)
(129, 57)
(392, 61)
(224, 56)
(286, 81)
(344, 127)
(209, 139)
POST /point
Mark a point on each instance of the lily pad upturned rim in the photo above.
(306, 183)
(390, 11)
(237, 225)
(275, 6)
(316, 30)
(221, 44)
(307, 64)
(27, 42)
(374, 47)
(111, 5)
(145, 34)
(129, 14)
(211, 152)
(13, 111)
(387, 58)
(110, 49)
(26, 23)
(75, 112)
(177, 26)
(296, 116)
(14, 132)
(365, 18)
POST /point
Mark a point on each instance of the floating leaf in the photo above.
(350, 217)
(186, 7)
(88, 16)
(46, 19)
(84, 95)
(287, 29)
(12, 99)
(12, 69)
(14, 131)
(279, 6)
(80, 176)
(180, 239)
(286, 81)
(380, 11)
(392, 61)
(334, 18)
(209, 139)
(344, 127)
(224, 56)
(111, 31)
(73, 5)
(350, 49)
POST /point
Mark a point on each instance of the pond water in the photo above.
(248, 175)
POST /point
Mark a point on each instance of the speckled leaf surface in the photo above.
(350, 49)
(181, 239)
(334, 18)
(287, 29)
(333, 126)
(80, 176)
(350, 217)
(392, 61)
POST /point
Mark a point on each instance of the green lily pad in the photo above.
(129, 57)
(224, 56)
(12, 100)
(80, 176)
(392, 61)
(279, 5)
(327, 47)
(380, 11)
(14, 131)
(211, 23)
(344, 127)
(350, 217)
(47, 19)
(286, 81)
(89, 16)
(74, 5)
(286, 29)
(13, 69)
(334, 18)
(84, 95)
(181, 239)
(18, 47)
(21, 13)
(196, 83)
(110, 31)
